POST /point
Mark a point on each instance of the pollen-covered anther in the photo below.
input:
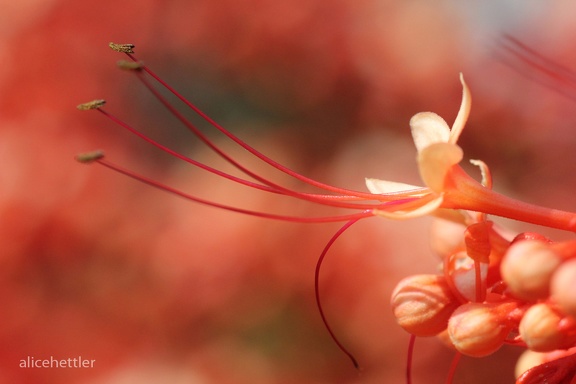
(527, 268)
(123, 48)
(544, 329)
(423, 304)
(94, 104)
(130, 65)
(480, 329)
(89, 157)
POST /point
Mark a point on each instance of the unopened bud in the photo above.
(563, 287)
(423, 304)
(528, 360)
(527, 268)
(542, 331)
(553, 367)
(479, 329)
(446, 237)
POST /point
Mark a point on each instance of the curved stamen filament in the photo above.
(156, 184)
(317, 286)
(231, 136)
(330, 200)
(544, 70)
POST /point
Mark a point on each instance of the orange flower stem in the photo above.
(463, 192)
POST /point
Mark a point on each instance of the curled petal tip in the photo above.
(463, 113)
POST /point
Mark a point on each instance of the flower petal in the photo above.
(428, 128)
(434, 162)
(423, 210)
(385, 187)
(463, 113)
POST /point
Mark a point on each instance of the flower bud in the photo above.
(542, 331)
(446, 237)
(563, 287)
(423, 304)
(528, 360)
(479, 329)
(527, 268)
(553, 367)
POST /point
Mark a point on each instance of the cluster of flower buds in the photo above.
(493, 291)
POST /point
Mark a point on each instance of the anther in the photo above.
(130, 65)
(94, 104)
(89, 157)
(123, 48)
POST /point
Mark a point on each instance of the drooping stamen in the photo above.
(317, 285)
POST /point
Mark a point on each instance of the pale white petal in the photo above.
(380, 187)
(485, 171)
(463, 113)
(428, 128)
(423, 210)
(435, 161)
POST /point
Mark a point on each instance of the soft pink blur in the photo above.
(157, 289)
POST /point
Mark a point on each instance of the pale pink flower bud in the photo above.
(527, 268)
(542, 329)
(446, 237)
(551, 367)
(563, 287)
(479, 329)
(423, 304)
(527, 360)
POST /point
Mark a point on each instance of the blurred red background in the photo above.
(157, 289)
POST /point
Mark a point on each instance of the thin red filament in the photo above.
(238, 141)
(166, 188)
(453, 366)
(540, 68)
(409, 356)
(317, 287)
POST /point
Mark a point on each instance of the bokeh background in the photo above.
(160, 290)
